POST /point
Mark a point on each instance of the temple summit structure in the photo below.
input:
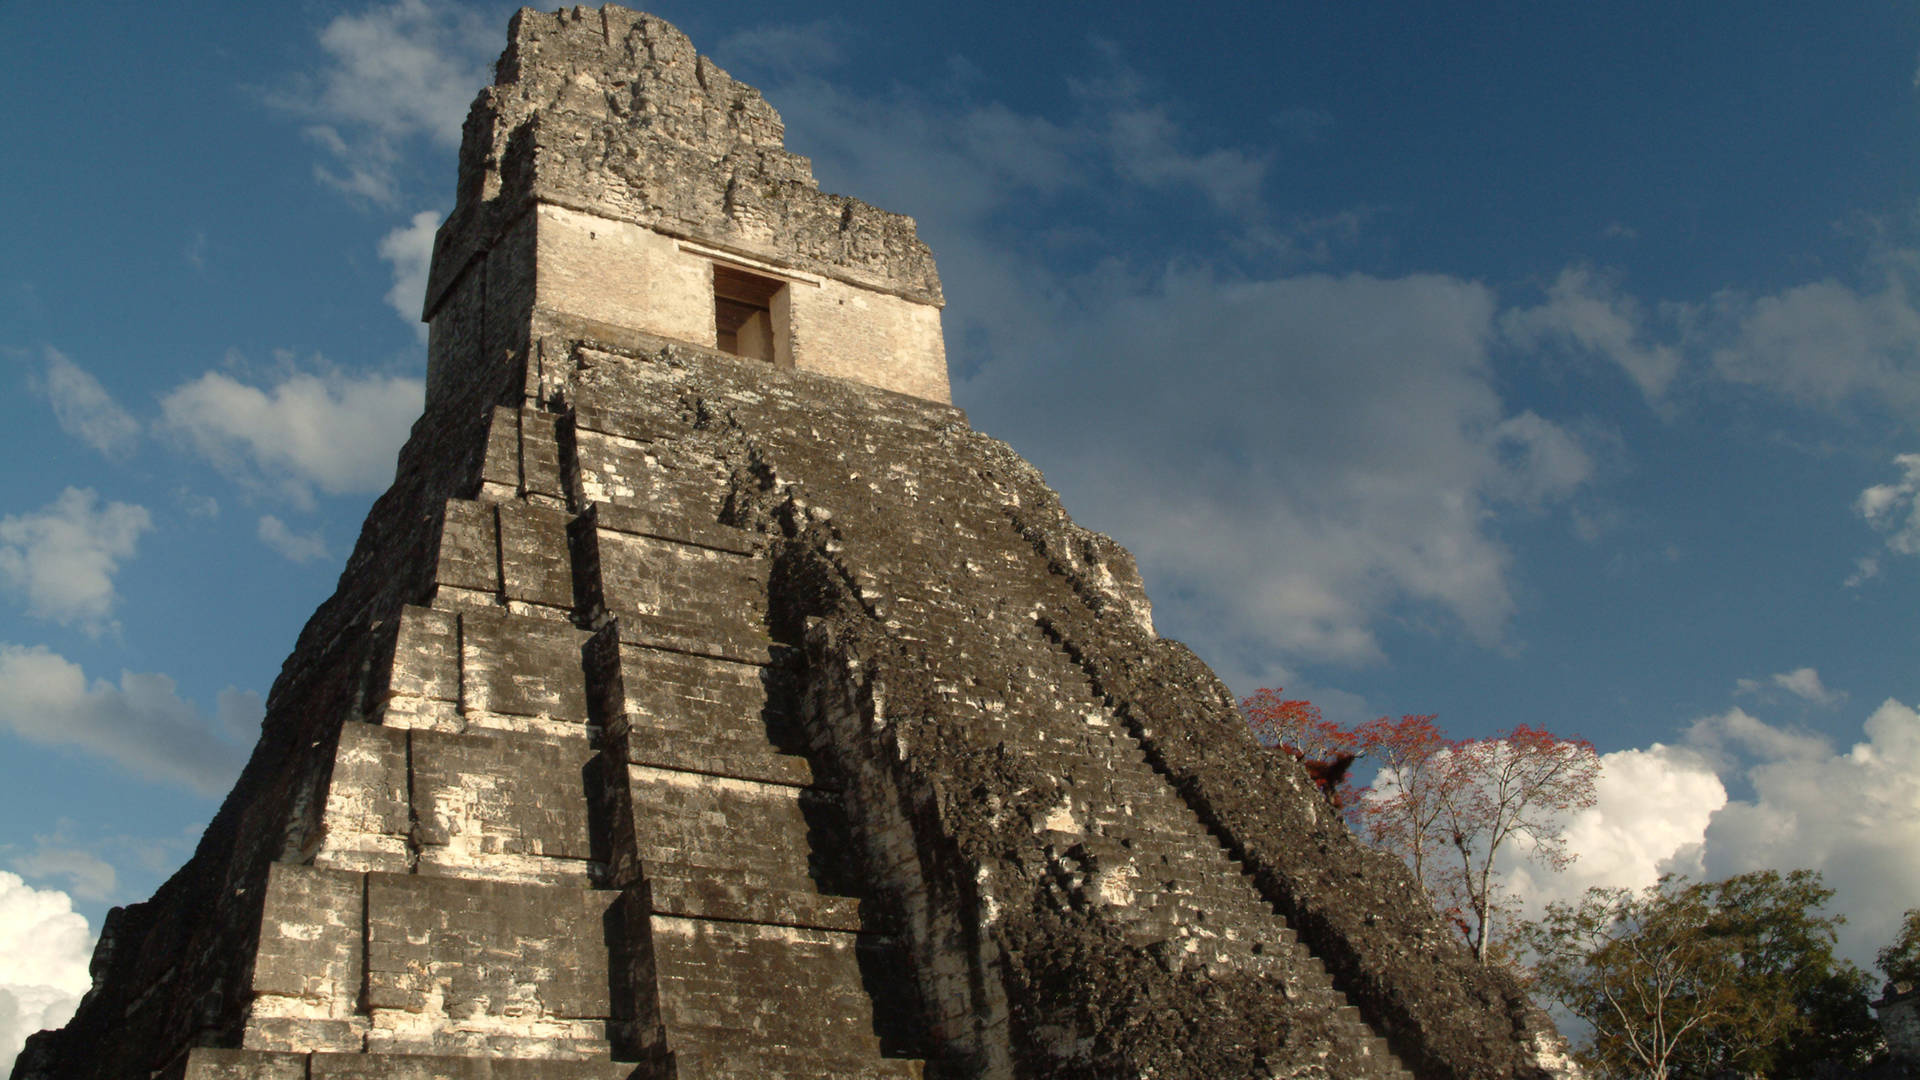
(706, 699)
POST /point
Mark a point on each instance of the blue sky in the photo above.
(1525, 364)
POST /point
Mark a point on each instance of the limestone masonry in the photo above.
(706, 699)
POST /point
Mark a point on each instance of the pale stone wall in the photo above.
(870, 337)
(620, 273)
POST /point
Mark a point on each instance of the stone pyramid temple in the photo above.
(707, 700)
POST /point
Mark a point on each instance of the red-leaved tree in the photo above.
(1294, 724)
(1449, 808)
(1296, 727)
(1411, 789)
(1520, 785)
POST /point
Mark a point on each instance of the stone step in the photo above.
(718, 892)
(736, 758)
(720, 1054)
(741, 985)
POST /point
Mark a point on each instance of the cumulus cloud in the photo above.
(1853, 815)
(85, 410)
(333, 431)
(1650, 816)
(142, 724)
(405, 71)
(44, 949)
(294, 546)
(62, 558)
(1589, 316)
(409, 250)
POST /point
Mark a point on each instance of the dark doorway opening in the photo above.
(743, 313)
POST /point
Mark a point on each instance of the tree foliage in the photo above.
(1402, 813)
(1519, 786)
(1900, 961)
(1449, 807)
(1698, 979)
(1295, 724)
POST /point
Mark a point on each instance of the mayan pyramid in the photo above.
(706, 699)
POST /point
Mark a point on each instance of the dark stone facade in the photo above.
(682, 716)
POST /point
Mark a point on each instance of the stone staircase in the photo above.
(1187, 892)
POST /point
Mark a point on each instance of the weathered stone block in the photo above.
(521, 666)
(368, 814)
(715, 977)
(507, 807)
(480, 951)
(469, 548)
(500, 469)
(534, 563)
(439, 1067)
(540, 468)
(426, 655)
(710, 715)
(757, 844)
(310, 951)
(209, 1063)
(678, 596)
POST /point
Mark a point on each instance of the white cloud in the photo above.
(85, 410)
(1825, 343)
(409, 250)
(788, 51)
(1143, 141)
(1354, 451)
(88, 876)
(1865, 569)
(142, 724)
(1803, 683)
(1853, 815)
(294, 546)
(1650, 815)
(1592, 317)
(44, 949)
(63, 557)
(337, 432)
(1737, 735)
(400, 72)
(1893, 509)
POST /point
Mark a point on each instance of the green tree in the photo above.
(1900, 961)
(1800, 1005)
(1698, 979)
(1640, 969)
